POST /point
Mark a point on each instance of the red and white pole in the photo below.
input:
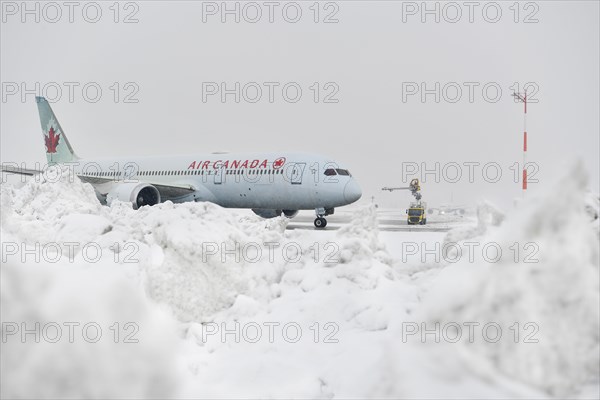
(523, 98)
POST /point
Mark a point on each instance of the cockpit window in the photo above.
(330, 172)
(343, 172)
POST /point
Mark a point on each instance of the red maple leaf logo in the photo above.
(51, 141)
(279, 162)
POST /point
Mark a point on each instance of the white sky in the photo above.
(369, 54)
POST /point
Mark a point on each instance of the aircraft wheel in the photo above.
(320, 222)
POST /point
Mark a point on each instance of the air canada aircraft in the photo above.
(271, 184)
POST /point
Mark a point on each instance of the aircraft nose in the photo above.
(352, 191)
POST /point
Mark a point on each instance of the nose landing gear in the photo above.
(321, 222)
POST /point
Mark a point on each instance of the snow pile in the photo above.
(328, 311)
(488, 216)
(67, 259)
(359, 244)
(177, 250)
(546, 281)
(592, 206)
(83, 331)
(45, 200)
(231, 305)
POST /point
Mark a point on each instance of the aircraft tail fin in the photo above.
(58, 148)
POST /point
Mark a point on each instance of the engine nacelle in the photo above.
(266, 213)
(137, 193)
(290, 213)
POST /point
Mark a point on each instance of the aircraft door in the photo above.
(219, 175)
(297, 172)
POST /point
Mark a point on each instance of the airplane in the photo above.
(270, 184)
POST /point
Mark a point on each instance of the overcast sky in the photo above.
(370, 61)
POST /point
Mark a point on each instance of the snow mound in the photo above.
(336, 297)
(360, 237)
(176, 270)
(488, 216)
(592, 206)
(179, 252)
(46, 198)
(73, 349)
(546, 281)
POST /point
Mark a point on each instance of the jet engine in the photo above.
(137, 193)
(266, 213)
(290, 213)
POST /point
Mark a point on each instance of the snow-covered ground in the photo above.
(192, 300)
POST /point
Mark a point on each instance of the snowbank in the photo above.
(488, 216)
(546, 281)
(178, 250)
(230, 305)
(79, 331)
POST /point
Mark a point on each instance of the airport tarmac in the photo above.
(389, 220)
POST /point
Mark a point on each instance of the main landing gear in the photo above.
(321, 222)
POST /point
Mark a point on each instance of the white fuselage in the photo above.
(288, 181)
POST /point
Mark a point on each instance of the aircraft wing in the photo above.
(11, 169)
(166, 191)
(173, 190)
